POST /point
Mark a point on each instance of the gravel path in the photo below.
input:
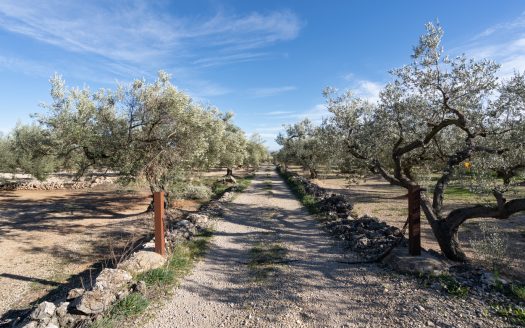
(310, 287)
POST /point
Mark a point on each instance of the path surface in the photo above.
(312, 288)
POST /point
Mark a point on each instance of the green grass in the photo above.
(298, 190)
(264, 259)
(131, 305)
(218, 188)
(267, 185)
(159, 282)
(452, 286)
(458, 192)
(515, 314)
(518, 292)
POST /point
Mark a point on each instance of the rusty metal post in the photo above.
(414, 221)
(158, 204)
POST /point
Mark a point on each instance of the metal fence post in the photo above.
(158, 204)
(414, 221)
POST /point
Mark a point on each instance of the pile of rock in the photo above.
(187, 228)
(111, 285)
(367, 236)
(336, 206)
(55, 183)
(309, 187)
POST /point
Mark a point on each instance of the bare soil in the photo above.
(377, 198)
(48, 237)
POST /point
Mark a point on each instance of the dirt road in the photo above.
(270, 265)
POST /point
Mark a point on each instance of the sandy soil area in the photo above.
(46, 237)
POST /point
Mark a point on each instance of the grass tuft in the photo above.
(159, 281)
(452, 286)
(514, 314)
(264, 259)
(131, 305)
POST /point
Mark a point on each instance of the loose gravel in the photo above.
(310, 287)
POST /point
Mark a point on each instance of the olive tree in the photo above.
(437, 114)
(305, 144)
(256, 152)
(28, 148)
(234, 143)
(141, 130)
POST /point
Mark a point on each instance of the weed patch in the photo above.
(264, 259)
(159, 282)
(298, 190)
(514, 314)
(452, 286)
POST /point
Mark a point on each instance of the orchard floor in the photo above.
(269, 264)
(376, 197)
(47, 238)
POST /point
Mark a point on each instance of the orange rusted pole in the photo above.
(158, 204)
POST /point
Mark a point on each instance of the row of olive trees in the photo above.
(142, 130)
(438, 115)
(309, 146)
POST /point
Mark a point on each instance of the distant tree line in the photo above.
(149, 131)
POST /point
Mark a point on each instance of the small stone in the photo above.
(142, 261)
(95, 301)
(140, 286)
(44, 310)
(74, 293)
(62, 309)
(430, 324)
(30, 324)
(113, 279)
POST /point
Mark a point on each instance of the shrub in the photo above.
(197, 192)
(491, 247)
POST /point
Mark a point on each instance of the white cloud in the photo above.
(278, 113)
(25, 66)
(368, 90)
(202, 89)
(140, 31)
(365, 89)
(269, 92)
(517, 23)
(503, 43)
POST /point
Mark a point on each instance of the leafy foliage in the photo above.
(450, 117)
(143, 130)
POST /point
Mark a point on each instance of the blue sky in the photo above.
(267, 61)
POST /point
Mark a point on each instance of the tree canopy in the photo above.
(140, 130)
(437, 115)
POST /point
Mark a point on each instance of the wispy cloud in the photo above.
(518, 23)
(278, 113)
(314, 114)
(141, 31)
(270, 92)
(28, 67)
(365, 89)
(504, 43)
